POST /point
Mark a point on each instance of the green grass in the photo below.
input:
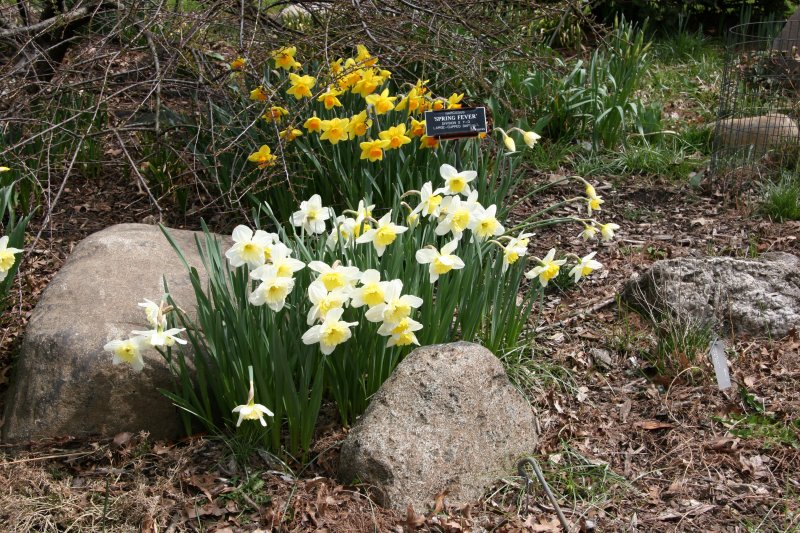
(761, 425)
(782, 198)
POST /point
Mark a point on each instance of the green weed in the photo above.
(782, 198)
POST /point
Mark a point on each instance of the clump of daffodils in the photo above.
(129, 351)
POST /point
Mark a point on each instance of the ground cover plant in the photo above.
(634, 433)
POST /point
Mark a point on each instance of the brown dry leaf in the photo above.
(652, 424)
(544, 525)
(121, 439)
(412, 521)
(439, 502)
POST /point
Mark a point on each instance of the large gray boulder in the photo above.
(64, 382)
(448, 419)
(758, 298)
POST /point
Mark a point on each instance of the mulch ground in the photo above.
(625, 450)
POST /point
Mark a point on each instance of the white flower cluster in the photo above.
(129, 351)
(336, 287)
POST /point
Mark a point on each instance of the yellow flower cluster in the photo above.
(359, 75)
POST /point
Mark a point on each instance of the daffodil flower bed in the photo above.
(327, 303)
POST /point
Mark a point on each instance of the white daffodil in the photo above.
(371, 292)
(128, 351)
(285, 266)
(248, 248)
(154, 313)
(324, 301)
(252, 411)
(456, 182)
(344, 229)
(607, 230)
(7, 258)
(363, 211)
(332, 332)
(530, 138)
(441, 262)
(396, 306)
(382, 236)
(589, 232)
(336, 276)
(429, 201)
(459, 214)
(484, 223)
(273, 289)
(515, 248)
(311, 216)
(401, 333)
(548, 269)
(585, 267)
(161, 337)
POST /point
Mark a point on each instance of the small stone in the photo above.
(601, 357)
(448, 419)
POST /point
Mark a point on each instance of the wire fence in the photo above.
(756, 134)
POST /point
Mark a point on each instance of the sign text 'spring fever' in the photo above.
(456, 123)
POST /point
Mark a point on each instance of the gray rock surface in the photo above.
(447, 419)
(759, 133)
(758, 298)
(788, 40)
(64, 382)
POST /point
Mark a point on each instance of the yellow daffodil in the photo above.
(284, 58)
(128, 351)
(417, 128)
(368, 83)
(336, 67)
(313, 124)
(263, 158)
(548, 268)
(509, 143)
(351, 78)
(301, 85)
(359, 124)
(440, 261)
(332, 332)
(429, 142)
(290, 134)
(275, 114)
(382, 102)
(396, 135)
(364, 58)
(593, 201)
(586, 266)
(330, 98)
(238, 63)
(454, 101)
(335, 130)
(438, 104)
(373, 150)
(384, 235)
(258, 94)
(530, 138)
